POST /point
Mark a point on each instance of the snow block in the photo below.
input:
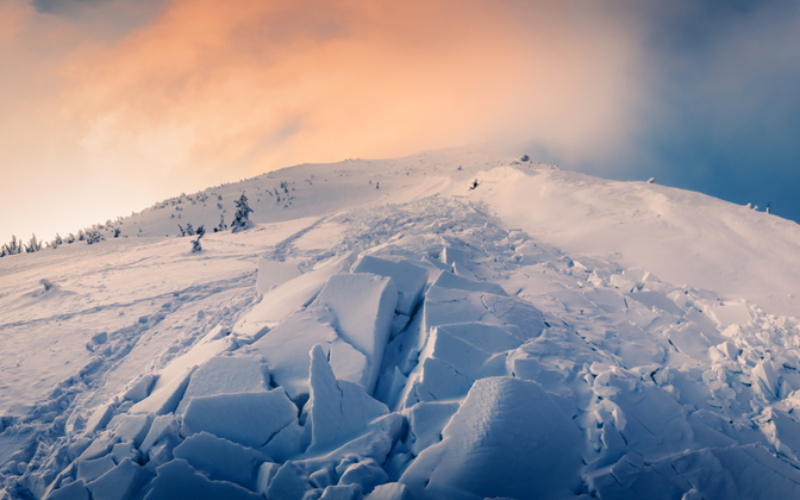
(444, 306)
(289, 483)
(284, 299)
(456, 282)
(266, 472)
(225, 375)
(488, 338)
(409, 279)
(272, 273)
(526, 447)
(342, 492)
(120, 483)
(163, 425)
(177, 480)
(142, 388)
(249, 419)
(75, 490)
(131, 427)
(99, 419)
(364, 306)
(220, 459)
(425, 422)
(452, 256)
(286, 347)
(434, 380)
(165, 399)
(89, 470)
(390, 491)
(338, 410)
(367, 474)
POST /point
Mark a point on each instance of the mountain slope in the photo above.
(544, 333)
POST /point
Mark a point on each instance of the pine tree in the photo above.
(201, 231)
(241, 220)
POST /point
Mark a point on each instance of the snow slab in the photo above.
(285, 349)
(338, 410)
(287, 297)
(220, 459)
(272, 273)
(452, 280)
(249, 419)
(177, 479)
(226, 375)
(525, 447)
(409, 279)
(364, 305)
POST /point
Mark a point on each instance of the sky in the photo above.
(107, 106)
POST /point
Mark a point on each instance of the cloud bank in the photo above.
(175, 95)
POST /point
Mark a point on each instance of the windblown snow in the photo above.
(385, 332)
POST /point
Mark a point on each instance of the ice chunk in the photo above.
(367, 474)
(225, 375)
(120, 483)
(99, 419)
(177, 479)
(121, 451)
(453, 281)
(142, 388)
(250, 419)
(163, 425)
(75, 490)
(266, 472)
(390, 491)
(288, 442)
(167, 398)
(272, 273)
(89, 470)
(287, 345)
(426, 421)
(452, 255)
(364, 305)
(525, 447)
(409, 279)
(342, 492)
(221, 459)
(289, 483)
(489, 338)
(338, 410)
(781, 431)
(131, 427)
(284, 299)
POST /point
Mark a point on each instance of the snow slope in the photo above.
(384, 331)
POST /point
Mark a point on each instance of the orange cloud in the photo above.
(263, 84)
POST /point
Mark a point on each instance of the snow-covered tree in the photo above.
(241, 220)
(93, 236)
(34, 245)
(196, 243)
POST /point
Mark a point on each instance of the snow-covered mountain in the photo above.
(388, 329)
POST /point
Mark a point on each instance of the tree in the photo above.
(196, 243)
(241, 220)
(33, 245)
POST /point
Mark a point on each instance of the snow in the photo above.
(363, 305)
(547, 334)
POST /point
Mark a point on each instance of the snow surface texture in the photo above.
(421, 340)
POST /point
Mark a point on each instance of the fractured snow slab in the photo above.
(508, 439)
(338, 410)
(286, 348)
(250, 419)
(225, 375)
(454, 281)
(364, 305)
(176, 479)
(220, 459)
(409, 279)
(284, 299)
